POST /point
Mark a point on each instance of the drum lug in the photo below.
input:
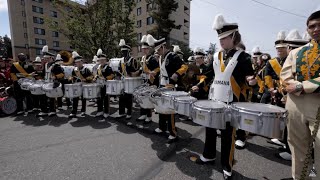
(260, 121)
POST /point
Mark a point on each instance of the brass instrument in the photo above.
(67, 58)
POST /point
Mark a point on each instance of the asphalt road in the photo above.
(94, 148)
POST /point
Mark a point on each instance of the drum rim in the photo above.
(269, 114)
(221, 109)
(167, 93)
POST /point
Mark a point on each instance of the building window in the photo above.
(37, 9)
(38, 20)
(139, 36)
(25, 35)
(38, 52)
(55, 34)
(139, 24)
(23, 14)
(150, 20)
(24, 24)
(40, 41)
(39, 1)
(22, 2)
(55, 43)
(54, 14)
(138, 11)
(39, 31)
(149, 7)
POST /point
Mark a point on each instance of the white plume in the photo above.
(144, 39)
(151, 40)
(176, 48)
(122, 42)
(293, 35)
(99, 52)
(38, 59)
(256, 49)
(95, 58)
(218, 22)
(281, 35)
(75, 54)
(197, 49)
(306, 36)
(58, 57)
(45, 49)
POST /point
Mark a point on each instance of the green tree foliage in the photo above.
(164, 24)
(101, 24)
(5, 47)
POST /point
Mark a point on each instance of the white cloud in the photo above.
(3, 5)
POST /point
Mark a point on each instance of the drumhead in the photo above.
(258, 107)
(186, 98)
(175, 93)
(90, 85)
(209, 104)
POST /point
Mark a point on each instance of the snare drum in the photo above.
(142, 96)
(52, 92)
(183, 104)
(114, 87)
(263, 119)
(72, 90)
(8, 105)
(36, 88)
(163, 100)
(209, 113)
(168, 98)
(25, 83)
(101, 82)
(91, 91)
(130, 83)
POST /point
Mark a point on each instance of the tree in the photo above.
(164, 24)
(212, 48)
(91, 26)
(5, 47)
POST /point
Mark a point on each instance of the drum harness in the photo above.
(309, 152)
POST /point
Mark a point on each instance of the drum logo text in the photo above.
(221, 82)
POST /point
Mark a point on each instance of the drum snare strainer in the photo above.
(263, 119)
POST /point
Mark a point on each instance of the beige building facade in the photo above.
(30, 30)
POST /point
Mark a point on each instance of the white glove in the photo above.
(252, 82)
(249, 78)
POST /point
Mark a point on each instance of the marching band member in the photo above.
(81, 74)
(300, 77)
(176, 49)
(48, 62)
(39, 75)
(240, 64)
(129, 67)
(104, 72)
(172, 68)
(255, 54)
(272, 74)
(260, 74)
(273, 67)
(19, 70)
(150, 67)
(293, 40)
(201, 89)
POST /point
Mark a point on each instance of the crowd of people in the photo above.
(290, 80)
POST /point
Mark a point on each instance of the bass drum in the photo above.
(8, 105)
(114, 63)
(67, 71)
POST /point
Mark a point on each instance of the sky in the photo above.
(258, 23)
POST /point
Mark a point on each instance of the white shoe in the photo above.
(60, 108)
(276, 141)
(82, 114)
(105, 115)
(148, 119)
(117, 115)
(20, 112)
(226, 174)
(72, 115)
(52, 114)
(206, 159)
(172, 137)
(129, 124)
(143, 117)
(42, 114)
(99, 114)
(285, 156)
(158, 130)
(35, 109)
(128, 117)
(240, 144)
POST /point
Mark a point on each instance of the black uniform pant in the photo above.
(266, 98)
(167, 122)
(103, 102)
(52, 104)
(76, 103)
(36, 101)
(147, 112)
(43, 100)
(59, 99)
(125, 101)
(227, 145)
(21, 96)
